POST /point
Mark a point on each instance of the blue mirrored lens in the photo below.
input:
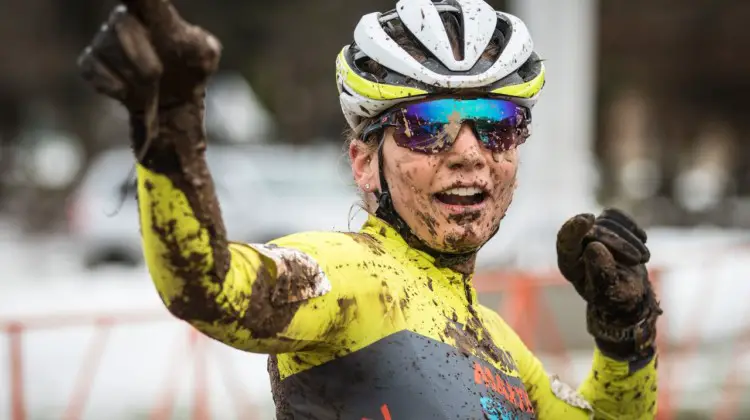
(431, 126)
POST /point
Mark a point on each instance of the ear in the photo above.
(364, 166)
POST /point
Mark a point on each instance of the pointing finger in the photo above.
(159, 16)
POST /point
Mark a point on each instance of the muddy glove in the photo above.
(605, 259)
(156, 64)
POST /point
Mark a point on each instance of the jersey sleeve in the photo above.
(257, 298)
(610, 391)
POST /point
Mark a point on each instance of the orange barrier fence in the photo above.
(163, 408)
(526, 310)
(523, 300)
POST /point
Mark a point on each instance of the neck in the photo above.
(460, 263)
(463, 265)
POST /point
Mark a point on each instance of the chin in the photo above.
(465, 239)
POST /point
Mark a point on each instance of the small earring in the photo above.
(367, 187)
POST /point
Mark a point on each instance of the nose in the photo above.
(466, 153)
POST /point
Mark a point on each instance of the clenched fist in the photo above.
(605, 259)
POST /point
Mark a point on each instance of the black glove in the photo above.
(156, 64)
(605, 260)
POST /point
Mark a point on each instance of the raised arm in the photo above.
(253, 298)
(605, 259)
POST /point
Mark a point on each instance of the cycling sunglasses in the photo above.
(432, 126)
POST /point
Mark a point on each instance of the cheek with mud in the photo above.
(419, 210)
(505, 178)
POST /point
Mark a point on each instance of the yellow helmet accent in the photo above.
(370, 89)
(523, 90)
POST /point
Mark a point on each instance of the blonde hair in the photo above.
(352, 136)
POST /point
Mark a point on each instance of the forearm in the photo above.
(236, 293)
(618, 390)
(184, 238)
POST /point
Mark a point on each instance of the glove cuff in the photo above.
(624, 342)
(174, 124)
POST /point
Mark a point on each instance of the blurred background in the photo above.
(645, 109)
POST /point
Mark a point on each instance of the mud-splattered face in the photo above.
(453, 200)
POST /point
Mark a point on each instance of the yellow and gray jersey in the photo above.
(362, 326)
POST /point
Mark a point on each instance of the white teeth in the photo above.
(465, 191)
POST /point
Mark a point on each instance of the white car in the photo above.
(264, 192)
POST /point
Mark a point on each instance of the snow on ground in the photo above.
(705, 287)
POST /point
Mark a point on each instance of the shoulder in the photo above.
(341, 253)
(332, 244)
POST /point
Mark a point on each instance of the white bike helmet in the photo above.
(516, 73)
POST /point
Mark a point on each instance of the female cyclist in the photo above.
(383, 323)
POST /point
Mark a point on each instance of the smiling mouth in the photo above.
(462, 196)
